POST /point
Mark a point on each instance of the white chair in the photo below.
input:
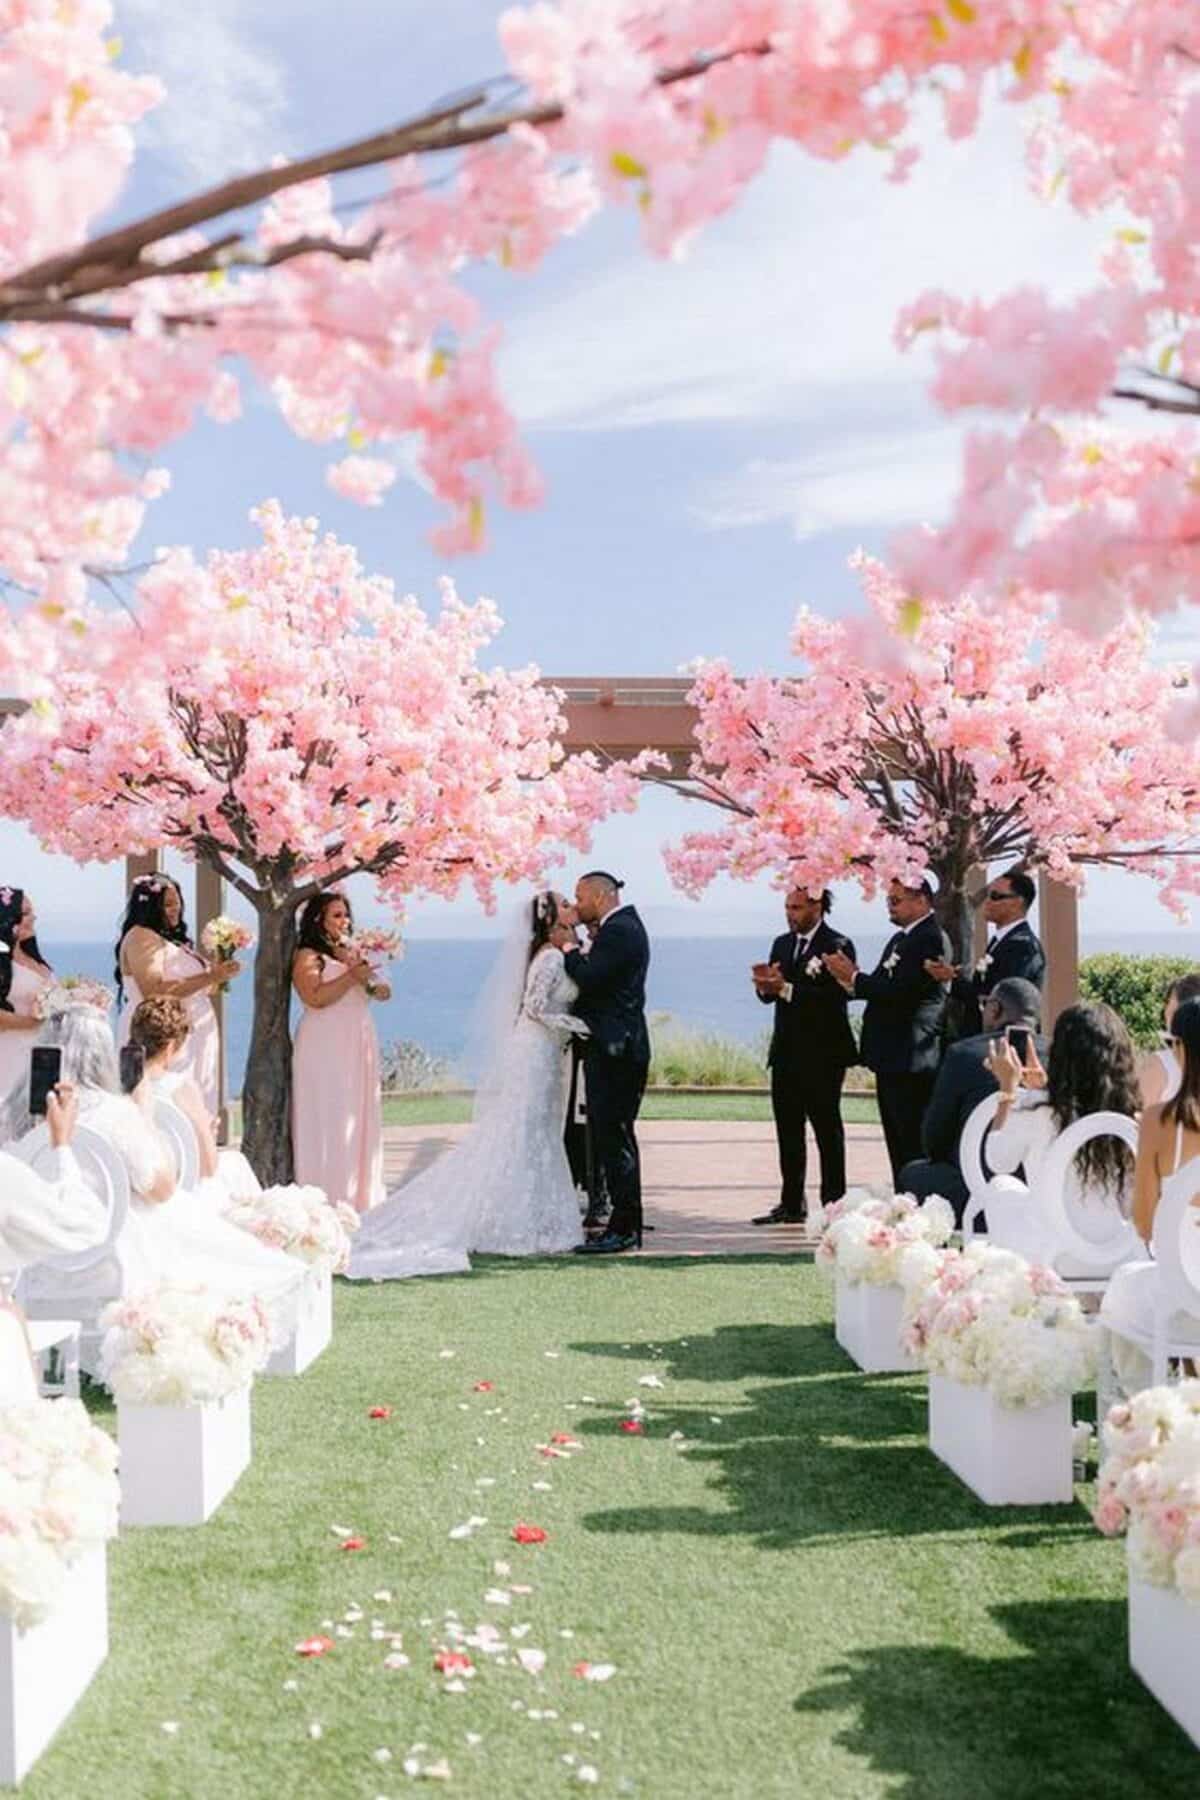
(18, 1372)
(970, 1159)
(1174, 1282)
(77, 1285)
(1084, 1263)
(180, 1133)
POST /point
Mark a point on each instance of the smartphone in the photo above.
(1019, 1036)
(133, 1067)
(45, 1068)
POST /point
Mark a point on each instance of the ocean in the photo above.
(701, 982)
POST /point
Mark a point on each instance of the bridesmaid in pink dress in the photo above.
(337, 1136)
(156, 960)
(24, 975)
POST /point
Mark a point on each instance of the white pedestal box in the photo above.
(1164, 1650)
(44, 1670)
(314, 1327)
(866, 1323)
(179, 1462)
(1008, 1455)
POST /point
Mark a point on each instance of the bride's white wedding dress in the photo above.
(506, 1188)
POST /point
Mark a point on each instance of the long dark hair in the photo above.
(146, 906)
(311, 933)
(12, 905)
(1184, 1109)
(543, 917)
(1091, 1069)
(1184, 987)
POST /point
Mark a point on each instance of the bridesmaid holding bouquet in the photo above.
(337, 1134)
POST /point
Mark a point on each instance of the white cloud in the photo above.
(226, 96)
(793, 296)
(871, 480)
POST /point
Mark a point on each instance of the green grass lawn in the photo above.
(799, 1601)
(454, 1109)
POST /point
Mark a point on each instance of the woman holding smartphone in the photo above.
(1091, 1069)
(24, 977)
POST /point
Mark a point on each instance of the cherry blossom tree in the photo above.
(282, 717)
(354, 314)
(986, 734)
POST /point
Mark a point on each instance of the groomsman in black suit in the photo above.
(1013, 952)
(812, 1046)
(902, 1025)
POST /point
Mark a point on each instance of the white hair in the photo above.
(89, 1060)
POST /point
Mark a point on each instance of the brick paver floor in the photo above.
(702, 1181)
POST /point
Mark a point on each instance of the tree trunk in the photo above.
(267, 1090)
(956, 916)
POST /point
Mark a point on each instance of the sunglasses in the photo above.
(997, 894)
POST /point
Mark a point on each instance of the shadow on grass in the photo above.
(1061, 1716)
(821, 1452)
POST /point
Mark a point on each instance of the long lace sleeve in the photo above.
(543, 996)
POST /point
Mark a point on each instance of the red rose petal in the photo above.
(380, 1412)
(633, 1427)
(581, 1669)
(564, 1437)
(314, 1646)
(484, 1387)
(354, 1543)
(452, 1662)
(528, 1534)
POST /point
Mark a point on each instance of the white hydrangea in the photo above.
(300, 1220)
(867, 1238)
(182, 1346)
(59, 1497)
(1150, 1484)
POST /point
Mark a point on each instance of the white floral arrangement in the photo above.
(866, 1237)
(71, 991)
(1150, 1485)
(181, 1346)
(301, 1221)
(59, 1498)
(223, 937)
(988, 1318)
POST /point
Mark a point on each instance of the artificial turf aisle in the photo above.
(797, 1599)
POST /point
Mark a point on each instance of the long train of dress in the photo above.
(506, 1187)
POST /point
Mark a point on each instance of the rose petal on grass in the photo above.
(564, 1437)
(379, 1412)
(650, 1381)
(314, 1646)
(520, 1631)
(452, 1662)
(354, 1543)
(315, 1731)
(541, 1487)
(587, 1774)
(589, 1671)
(396, 1660)
(170, 1726)
(483, 1387)
(497, 1597)
(532, 1661)
(527, 1534)
(445, 1355)
(633, 1428)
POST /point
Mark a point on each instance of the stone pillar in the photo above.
(210, 901)
(1059, 920)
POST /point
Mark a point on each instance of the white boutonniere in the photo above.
(889, 962)
(984, 964)
(814, 969)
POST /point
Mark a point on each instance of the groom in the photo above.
(611, 978)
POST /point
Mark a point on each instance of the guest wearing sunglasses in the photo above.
(1014, 953)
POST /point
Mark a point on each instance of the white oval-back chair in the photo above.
(180, 1133)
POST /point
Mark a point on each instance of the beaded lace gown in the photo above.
(506, 1187)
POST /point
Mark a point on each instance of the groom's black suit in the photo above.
(611, 980)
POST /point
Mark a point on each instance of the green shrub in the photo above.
(1135, 987)
(683, 1056)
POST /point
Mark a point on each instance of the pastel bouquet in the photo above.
(375, 943)
(988, 1318)
(71, 991)
(866, 1237)
(59, 1498)
(222, 938)
(299, 1220)
(182, 1346)
(1150, 1485)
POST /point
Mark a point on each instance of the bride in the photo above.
(506, 1187)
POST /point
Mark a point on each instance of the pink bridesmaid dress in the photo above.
(15, 1046)
(201, 1054)
(337, 1136)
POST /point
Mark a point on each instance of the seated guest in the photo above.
(1013, 952)
(159, 1030)
(1090, 1070)
(1168, 1137)
(963, 1080)
(169, 1234)
(48, 1210)
(1159, 1073)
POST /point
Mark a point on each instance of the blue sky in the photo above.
(717, 434)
